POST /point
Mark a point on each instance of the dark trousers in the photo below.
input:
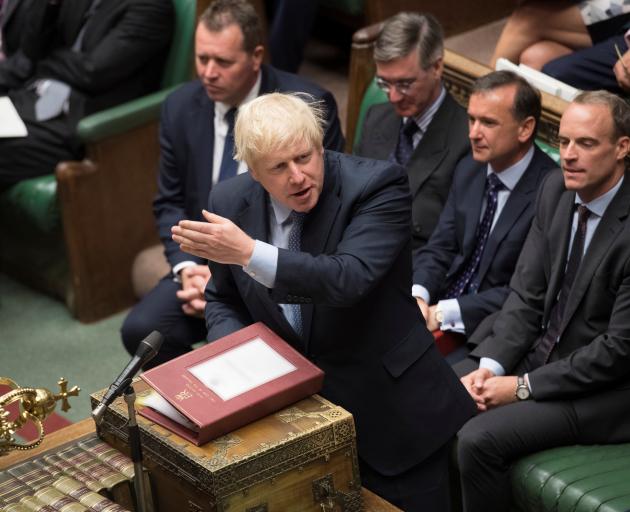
(37, 154)
(591, 68)
(490, 442)
(161, 310)
(423, 488)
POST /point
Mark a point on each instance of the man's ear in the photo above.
(257, 56)
(623, 147)
(526, 129)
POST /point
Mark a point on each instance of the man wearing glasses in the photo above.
(421, 127)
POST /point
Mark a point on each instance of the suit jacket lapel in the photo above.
(202, 128)
(523, 194)
(472, 208)
(9, 9)
(432, 148)
(317, 227)
(606, 233)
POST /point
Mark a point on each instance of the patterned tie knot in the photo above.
(494, 184)
(410, 127)
(583, 213)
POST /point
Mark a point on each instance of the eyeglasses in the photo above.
(401, 86)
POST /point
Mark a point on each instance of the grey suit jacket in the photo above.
(591, 364)
(431, 166)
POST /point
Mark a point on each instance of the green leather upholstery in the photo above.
(34, 202)
(373, 95)
(573, 479)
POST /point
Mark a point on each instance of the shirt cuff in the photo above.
(263, 264)
(420, 292)
(181, 266)
(451, 316)
(529, 385)
(492, 365)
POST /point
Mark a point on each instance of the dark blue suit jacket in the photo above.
(453, 241)
(187, 146)
(361, 326)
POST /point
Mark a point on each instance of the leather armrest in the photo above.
(122, 118)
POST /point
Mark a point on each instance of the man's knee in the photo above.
(474, 444)
(134, 329)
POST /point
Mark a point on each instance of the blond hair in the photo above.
(277, 120)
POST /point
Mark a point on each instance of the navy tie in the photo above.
(404, 146)
(549, 339)
(295, 237)
(228, 164)
(461, 283)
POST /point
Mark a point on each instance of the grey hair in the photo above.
(404, 32)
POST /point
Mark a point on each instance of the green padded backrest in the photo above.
(550, 150)
(178, 65)
(372, 96)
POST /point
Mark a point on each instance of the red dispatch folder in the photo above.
(231, 382)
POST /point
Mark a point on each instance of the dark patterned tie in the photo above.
(228, 164)
(295, 237)
(549, 339)
(459, 285)
(404, 146)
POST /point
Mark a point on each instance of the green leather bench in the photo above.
(74, 234)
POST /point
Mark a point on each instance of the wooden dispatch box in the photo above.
(302, 458)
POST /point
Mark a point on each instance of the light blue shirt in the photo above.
(597, 208)
(263, 264)
(452, 314)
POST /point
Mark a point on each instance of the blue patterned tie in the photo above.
(295, 237)
(404, 146)
(228, 164)
(493, 185)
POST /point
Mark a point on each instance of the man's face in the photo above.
(424, 84)
(592, 160)
(293, 176)
(496, 137)
(225, 69)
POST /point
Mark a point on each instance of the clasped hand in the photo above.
(489, 391)
(218, 239)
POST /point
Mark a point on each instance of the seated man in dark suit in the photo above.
(465, 268)
(554, 371)
(81, 56)
(316, 245)
(422, 127)
(196, 142)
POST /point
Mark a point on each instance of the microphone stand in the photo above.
(136, 453)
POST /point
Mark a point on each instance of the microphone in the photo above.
(147, 350)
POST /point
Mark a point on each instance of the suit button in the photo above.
(417, 228)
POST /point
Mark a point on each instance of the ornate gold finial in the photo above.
(35, 405)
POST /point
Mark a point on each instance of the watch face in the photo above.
(522, 393)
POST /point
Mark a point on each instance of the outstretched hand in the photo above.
(218, 239)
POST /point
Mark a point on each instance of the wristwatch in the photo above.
(522, 390)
